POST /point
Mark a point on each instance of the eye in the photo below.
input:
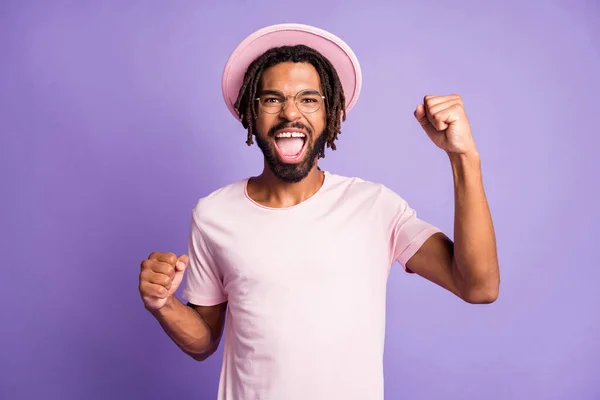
(309, 99)
(271, 99)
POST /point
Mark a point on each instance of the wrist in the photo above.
(467, 158)
(165, 309)
(466, 167)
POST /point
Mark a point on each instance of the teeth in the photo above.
(290, 134)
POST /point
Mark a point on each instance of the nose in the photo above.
(290, 111)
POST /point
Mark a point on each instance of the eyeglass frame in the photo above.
(285, 102)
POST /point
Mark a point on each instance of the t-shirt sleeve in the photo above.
(203, 283)
(407, 231)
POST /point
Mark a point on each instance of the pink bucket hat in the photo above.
(330, 46)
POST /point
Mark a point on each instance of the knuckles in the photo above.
(154, 289)
(144, 275)
(427, 100)
(169, 258)
(157, 266)
(147, 264)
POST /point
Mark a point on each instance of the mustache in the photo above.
(284, 125)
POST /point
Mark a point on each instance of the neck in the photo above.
(270, 191)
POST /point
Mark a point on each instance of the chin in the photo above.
(291, 171)
(285, 168)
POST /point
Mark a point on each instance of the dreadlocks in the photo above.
(335, 102)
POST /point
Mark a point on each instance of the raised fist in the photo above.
(445, 121)
(160, 277)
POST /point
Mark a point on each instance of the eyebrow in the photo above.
(277, 92)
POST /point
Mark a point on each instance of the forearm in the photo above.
(186, 328)
(475, 260)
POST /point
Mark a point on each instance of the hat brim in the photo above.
(339, 54)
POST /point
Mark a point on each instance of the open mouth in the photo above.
(290, 145)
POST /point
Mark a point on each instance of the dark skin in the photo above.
(266, 189)
(289, 78)
(467, 267)
(197, 330)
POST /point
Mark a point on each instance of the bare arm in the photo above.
(469, 266)
(475, 262)
(194, 329)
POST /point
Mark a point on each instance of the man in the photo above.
(300, 256)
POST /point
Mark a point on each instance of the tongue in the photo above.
(290, 146)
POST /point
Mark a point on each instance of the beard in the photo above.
(292, 173)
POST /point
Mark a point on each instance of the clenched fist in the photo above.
(445, 121)
(160, 277)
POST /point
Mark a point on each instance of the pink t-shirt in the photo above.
(305, 285)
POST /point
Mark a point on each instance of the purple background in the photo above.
(112, 125)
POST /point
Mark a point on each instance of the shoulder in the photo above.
(365, 190)
(219, 201)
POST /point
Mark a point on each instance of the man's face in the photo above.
(291, 138)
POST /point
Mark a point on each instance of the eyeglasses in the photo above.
(307, 101)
